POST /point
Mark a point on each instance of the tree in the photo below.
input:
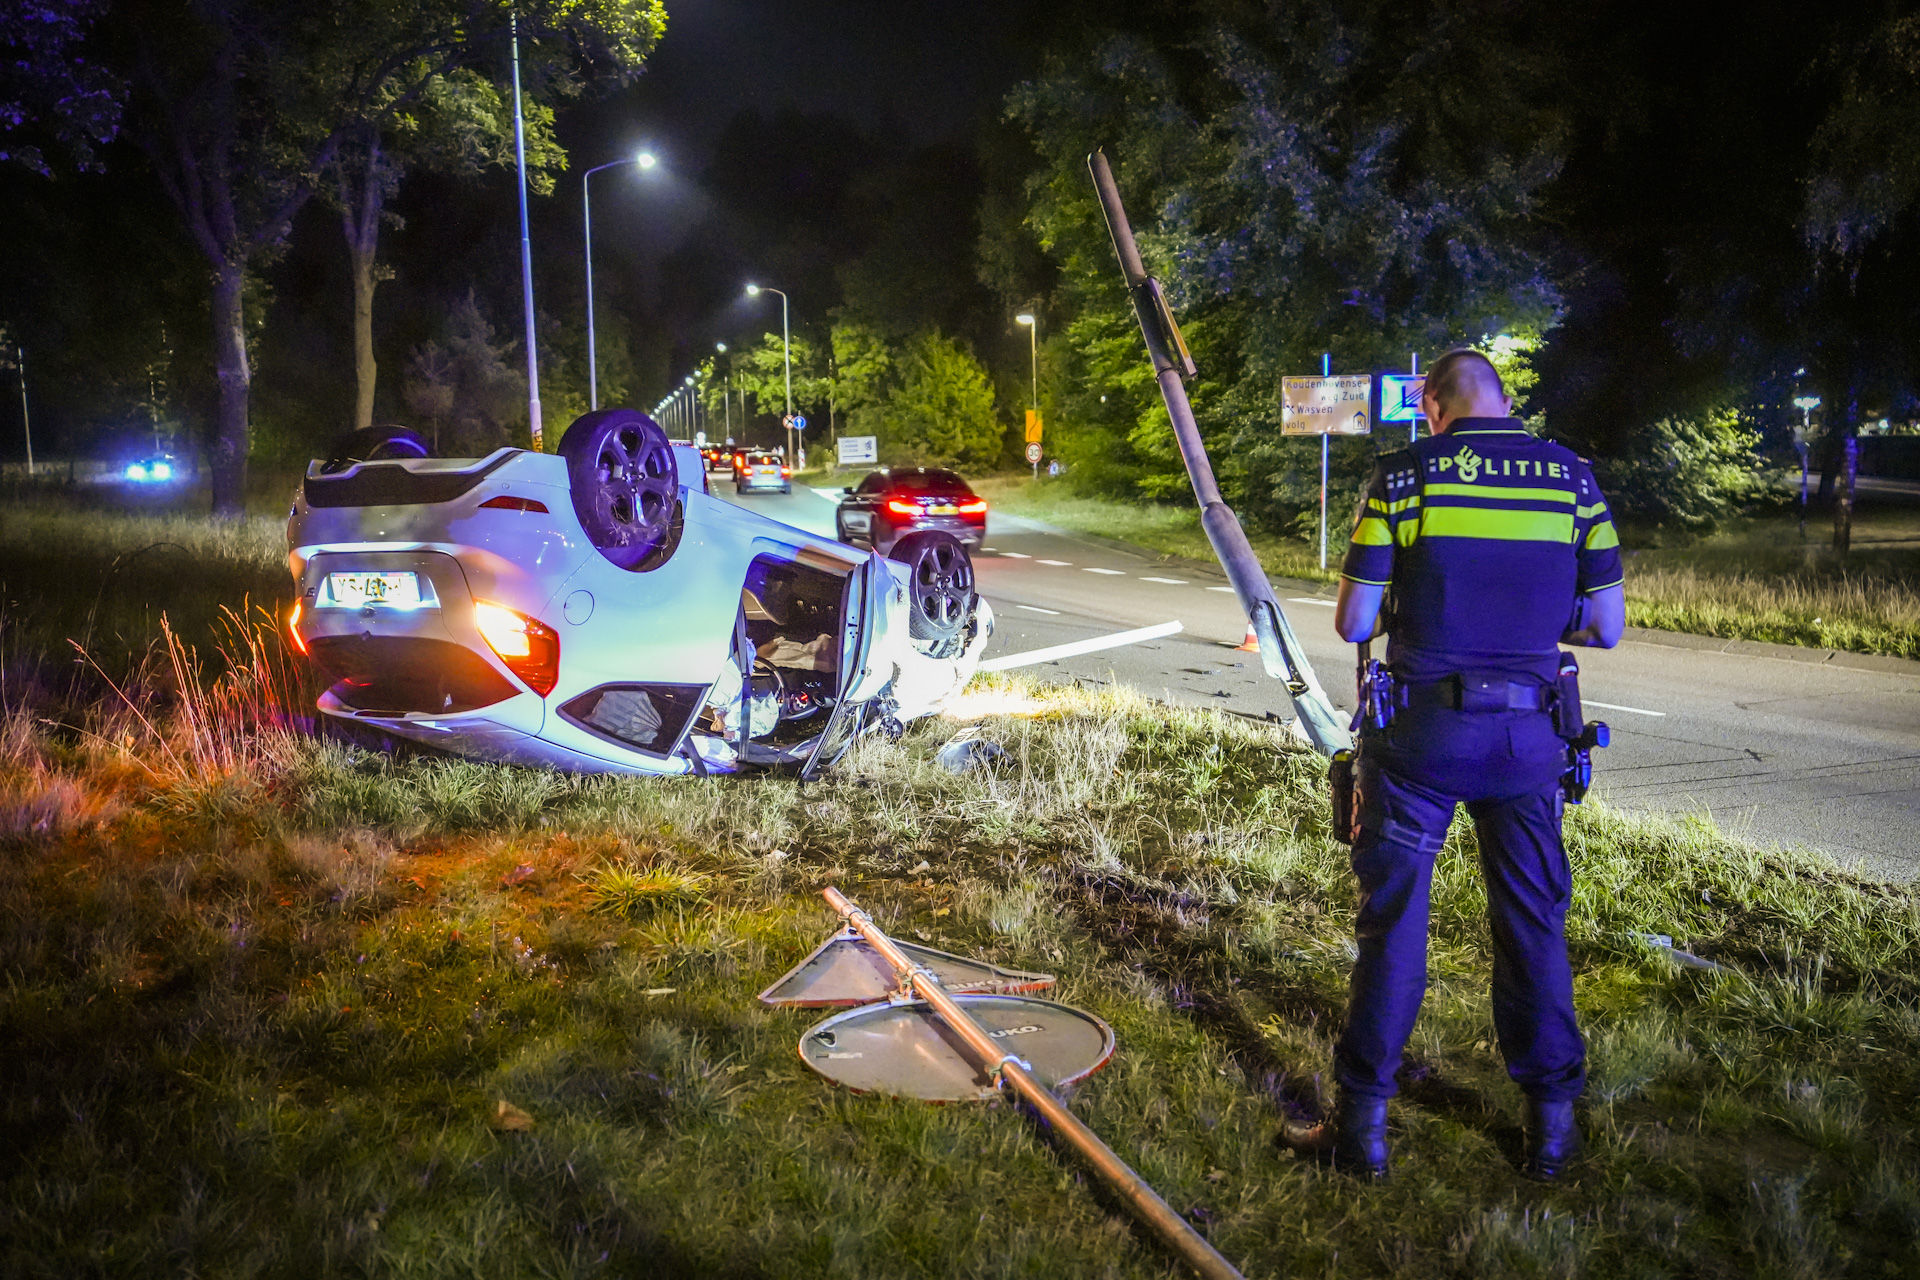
(457, 120)
(942, 411)
(463, 384)
(49, 87)
(242, 105)
(1304, 178)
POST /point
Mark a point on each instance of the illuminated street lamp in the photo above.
(786, 347)
(645, 161)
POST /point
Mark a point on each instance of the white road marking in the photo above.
(1079, 647)
(1112, 573)
(991, 550)
(1060, 564)
(1016, 555)
(1172, 582)
(1309, 600)
(1034, 608)
(1638, 711)
(1226, 589)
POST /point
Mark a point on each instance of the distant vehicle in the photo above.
(718, 457)
(159, 469)
(894, 502)
(598, 611)
(758, 471)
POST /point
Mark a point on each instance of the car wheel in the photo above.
(940, 593)
(375, 444)
(625, 487)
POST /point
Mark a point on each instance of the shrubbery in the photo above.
(1690, 472)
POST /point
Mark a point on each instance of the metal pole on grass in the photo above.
(995, 1061)
(1280, 651)
(526, 245)
(26, 424)
(1326, 371)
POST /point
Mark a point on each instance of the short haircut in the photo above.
(1462, 376)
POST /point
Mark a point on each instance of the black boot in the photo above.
(1354, 1139)
(1553, 1140)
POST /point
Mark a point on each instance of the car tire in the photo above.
(375, 444)
(625, 486)
(940, 591)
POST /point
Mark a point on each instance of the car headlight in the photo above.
(136, 472)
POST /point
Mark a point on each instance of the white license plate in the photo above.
(768, 473)
(374, 590)
(943, 511)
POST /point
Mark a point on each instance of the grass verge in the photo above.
(285, 1008)
(1755, 580)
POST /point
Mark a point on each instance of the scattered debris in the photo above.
(519, 875)
(968, 749)
(1662, 942)
(507, 1118)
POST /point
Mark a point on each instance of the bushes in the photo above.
(1690, 472)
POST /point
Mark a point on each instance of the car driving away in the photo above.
(598, 611)
(763, 472)
(894, 502)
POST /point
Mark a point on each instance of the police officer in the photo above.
(1498, 548)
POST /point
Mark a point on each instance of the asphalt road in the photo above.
(1776, 744)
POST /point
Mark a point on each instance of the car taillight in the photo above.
(293, 629)
(900, 508)
(785, 472)
(515, 504)
(530, 649)
(975, 507)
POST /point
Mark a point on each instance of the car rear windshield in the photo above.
(763, 459)
(943, 483)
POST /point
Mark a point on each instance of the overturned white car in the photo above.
(597, 611)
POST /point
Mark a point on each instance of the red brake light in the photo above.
(293, 629)
(530, 649)
(900, 508)
(975, 507)
(515, 504)
(785, 472)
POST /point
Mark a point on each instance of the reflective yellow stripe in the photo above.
(1372, 532)
(1505, 526)
(1366, 582)
(1406, 531)
(1608, 586)
(1500, 491)
(1602, 536)
(1390, 508)
(1588, 513)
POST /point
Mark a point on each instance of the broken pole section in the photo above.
(1011, 1071)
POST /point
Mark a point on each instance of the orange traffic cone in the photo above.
(1251, 644)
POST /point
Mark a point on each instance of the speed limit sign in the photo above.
(1033, 453)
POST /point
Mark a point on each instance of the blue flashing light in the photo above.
(138, 471)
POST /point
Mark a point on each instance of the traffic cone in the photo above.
(1251, 644)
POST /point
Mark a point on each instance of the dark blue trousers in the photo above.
(1505, 768)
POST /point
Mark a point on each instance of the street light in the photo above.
(646, 161)
(726, 392)
(1806, 405)
(786, 347)
(1033, 349)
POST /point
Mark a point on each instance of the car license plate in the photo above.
(371, 590)
(768, 473)
(943, 510)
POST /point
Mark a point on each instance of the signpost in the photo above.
(857, 449)
(1326, 406)
(1400, 398)
(1033, 456)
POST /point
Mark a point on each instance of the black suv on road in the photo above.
(893, 502)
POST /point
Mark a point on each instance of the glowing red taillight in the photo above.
(785, 472)
(515, 504)
(900, 508)
(530, 649)
(975, 507)
(293, 629)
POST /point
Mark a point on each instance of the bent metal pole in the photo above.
(1280, 651)
(992, 1059)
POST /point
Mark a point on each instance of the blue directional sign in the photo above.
(1400, 396)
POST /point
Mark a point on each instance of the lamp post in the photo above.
(526, 247)
(1033, 349)
(786, 347)
(726, 392)
(646, 161)
(1802, 446)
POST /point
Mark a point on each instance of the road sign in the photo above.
(795, 421)
(1033, 426)
(1033, 453)
(1400, 396)
(1335, 406)
(859, 449)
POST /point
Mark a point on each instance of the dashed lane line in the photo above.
(1034, 608)
(1614, 706)
(1310, 600)
(1112, 573)
(1058, 564)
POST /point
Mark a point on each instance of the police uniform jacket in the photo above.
(1483, 535)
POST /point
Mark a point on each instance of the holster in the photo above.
(1566, 702)
(1345, 817)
